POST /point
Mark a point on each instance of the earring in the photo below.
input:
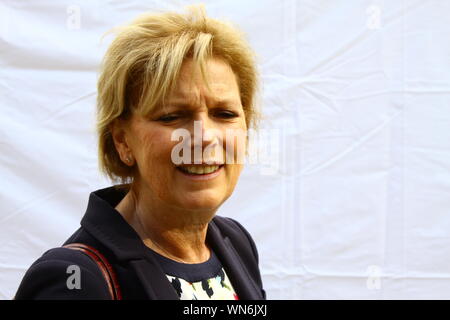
(128, 160)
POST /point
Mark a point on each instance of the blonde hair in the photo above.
(141, 66)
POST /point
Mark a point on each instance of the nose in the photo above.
(204, 132)
(205, 136)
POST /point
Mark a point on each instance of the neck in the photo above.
(173, 232)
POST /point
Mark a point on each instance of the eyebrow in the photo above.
(219, 103)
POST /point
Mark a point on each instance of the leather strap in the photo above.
(104, 266)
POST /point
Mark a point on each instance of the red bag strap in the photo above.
(104, 266)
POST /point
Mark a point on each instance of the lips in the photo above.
(201, 169)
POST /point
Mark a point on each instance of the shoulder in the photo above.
(62, 273)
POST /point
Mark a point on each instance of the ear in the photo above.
(119, 130)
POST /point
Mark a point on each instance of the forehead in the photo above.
(191, 87)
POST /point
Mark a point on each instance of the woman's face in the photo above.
(205, 115)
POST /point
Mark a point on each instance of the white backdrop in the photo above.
(354, 198)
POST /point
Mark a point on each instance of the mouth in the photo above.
(199, 170)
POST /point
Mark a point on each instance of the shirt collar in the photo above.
(106, 224)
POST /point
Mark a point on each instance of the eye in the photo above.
(169, 117)
(226, 114)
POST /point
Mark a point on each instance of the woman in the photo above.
(164, 77)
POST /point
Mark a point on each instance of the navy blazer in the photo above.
(138, 272)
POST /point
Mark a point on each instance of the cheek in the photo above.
(235, 146)
(155, 166)
(233, 174)
(155, 148)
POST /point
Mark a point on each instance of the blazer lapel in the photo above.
(154, 280)
(241, 280)
(108, 225)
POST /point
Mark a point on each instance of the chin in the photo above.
(202, 202)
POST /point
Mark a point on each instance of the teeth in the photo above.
(200, 169)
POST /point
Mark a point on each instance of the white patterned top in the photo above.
(201, 281)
